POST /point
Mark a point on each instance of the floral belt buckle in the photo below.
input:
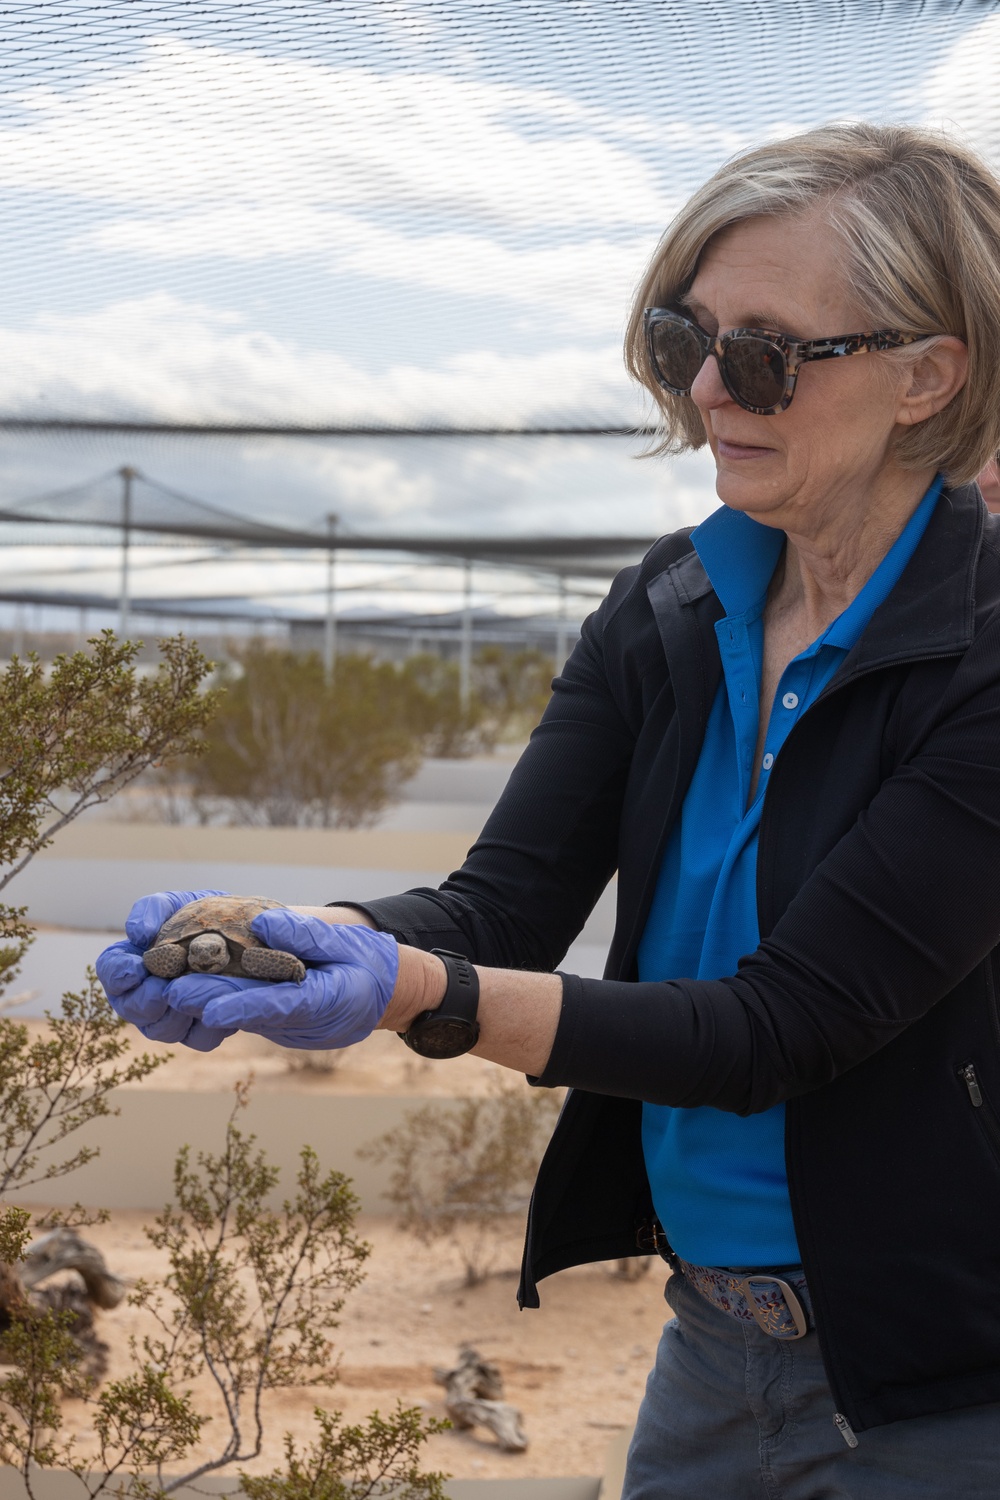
(775, 1306)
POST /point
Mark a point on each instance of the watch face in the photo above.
(443, 1036)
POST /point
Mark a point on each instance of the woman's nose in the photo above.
(708, 391)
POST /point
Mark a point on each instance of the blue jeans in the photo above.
(731, 1414)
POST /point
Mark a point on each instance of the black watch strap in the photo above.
(461, 998)
(451, 1028)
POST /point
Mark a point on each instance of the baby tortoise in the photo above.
(212, 936)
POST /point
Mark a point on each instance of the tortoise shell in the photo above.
(235, 950)
(230, 915)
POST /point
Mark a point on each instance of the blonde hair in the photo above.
(920, 217)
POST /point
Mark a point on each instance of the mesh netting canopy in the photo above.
(398, 212)
(353, 240)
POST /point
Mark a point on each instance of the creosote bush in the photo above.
(251, 1295)
(75, 734)
(71, 737)
(287, 747)
(459, 1168)
(355, 1462)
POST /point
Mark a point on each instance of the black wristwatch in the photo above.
(452, 1028)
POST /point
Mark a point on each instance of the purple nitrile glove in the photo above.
(150, 912)
(138, 996)
(343, 997)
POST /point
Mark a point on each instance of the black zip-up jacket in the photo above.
(870, 1005)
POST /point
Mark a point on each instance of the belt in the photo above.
(780, 1305)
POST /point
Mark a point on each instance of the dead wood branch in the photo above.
(473, 1391)
(63, 1250)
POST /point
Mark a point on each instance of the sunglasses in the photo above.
(758, 368)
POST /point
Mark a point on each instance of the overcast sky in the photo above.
(398, 213)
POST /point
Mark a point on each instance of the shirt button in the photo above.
(768, 761)
(790, 700)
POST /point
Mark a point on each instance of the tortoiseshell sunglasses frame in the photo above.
(795, 352)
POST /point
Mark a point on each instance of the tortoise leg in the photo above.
(273, 964)
(166, 960)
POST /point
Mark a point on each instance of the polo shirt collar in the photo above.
(739, 555)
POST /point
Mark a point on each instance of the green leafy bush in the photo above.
(289, 748)
(251, 1296)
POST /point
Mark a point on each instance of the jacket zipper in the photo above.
(845, 1429)
(968, 1077)
(967, 1073)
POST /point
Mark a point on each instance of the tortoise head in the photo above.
(208, 953)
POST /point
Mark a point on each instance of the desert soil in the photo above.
(379, 1065)
(576, 1367)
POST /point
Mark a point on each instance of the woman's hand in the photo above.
(150, 912)
(349, 983)
(138, 996)
(358, 980)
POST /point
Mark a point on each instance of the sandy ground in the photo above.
(379, 1065)
(576, 1367)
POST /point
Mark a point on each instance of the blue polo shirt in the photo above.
(718, 1180)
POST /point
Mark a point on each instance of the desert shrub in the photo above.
(434, 708)
(358, 1462)
(511, 689)
(75, 734)
(289, 748)
(251, 1296)
(460, 1167)
(316, 1062)
(72, 736)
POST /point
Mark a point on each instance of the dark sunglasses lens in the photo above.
(677, 354)
(755, 371)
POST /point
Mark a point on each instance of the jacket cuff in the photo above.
(556, 1071)
(413, 918)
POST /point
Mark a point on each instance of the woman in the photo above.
(783, 730)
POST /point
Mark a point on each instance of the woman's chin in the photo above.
(754, 492)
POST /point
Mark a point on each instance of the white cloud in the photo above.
(188, 126)
(421, 179)
(160, 358)
(587, 284)
(961, 93)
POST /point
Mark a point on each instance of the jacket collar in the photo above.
(929, 612)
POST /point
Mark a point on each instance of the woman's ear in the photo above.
(934, 380)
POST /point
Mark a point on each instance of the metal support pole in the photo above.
(330, 627)
(562, 628)
(127, 476)
(81, 628)
(465, 642)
